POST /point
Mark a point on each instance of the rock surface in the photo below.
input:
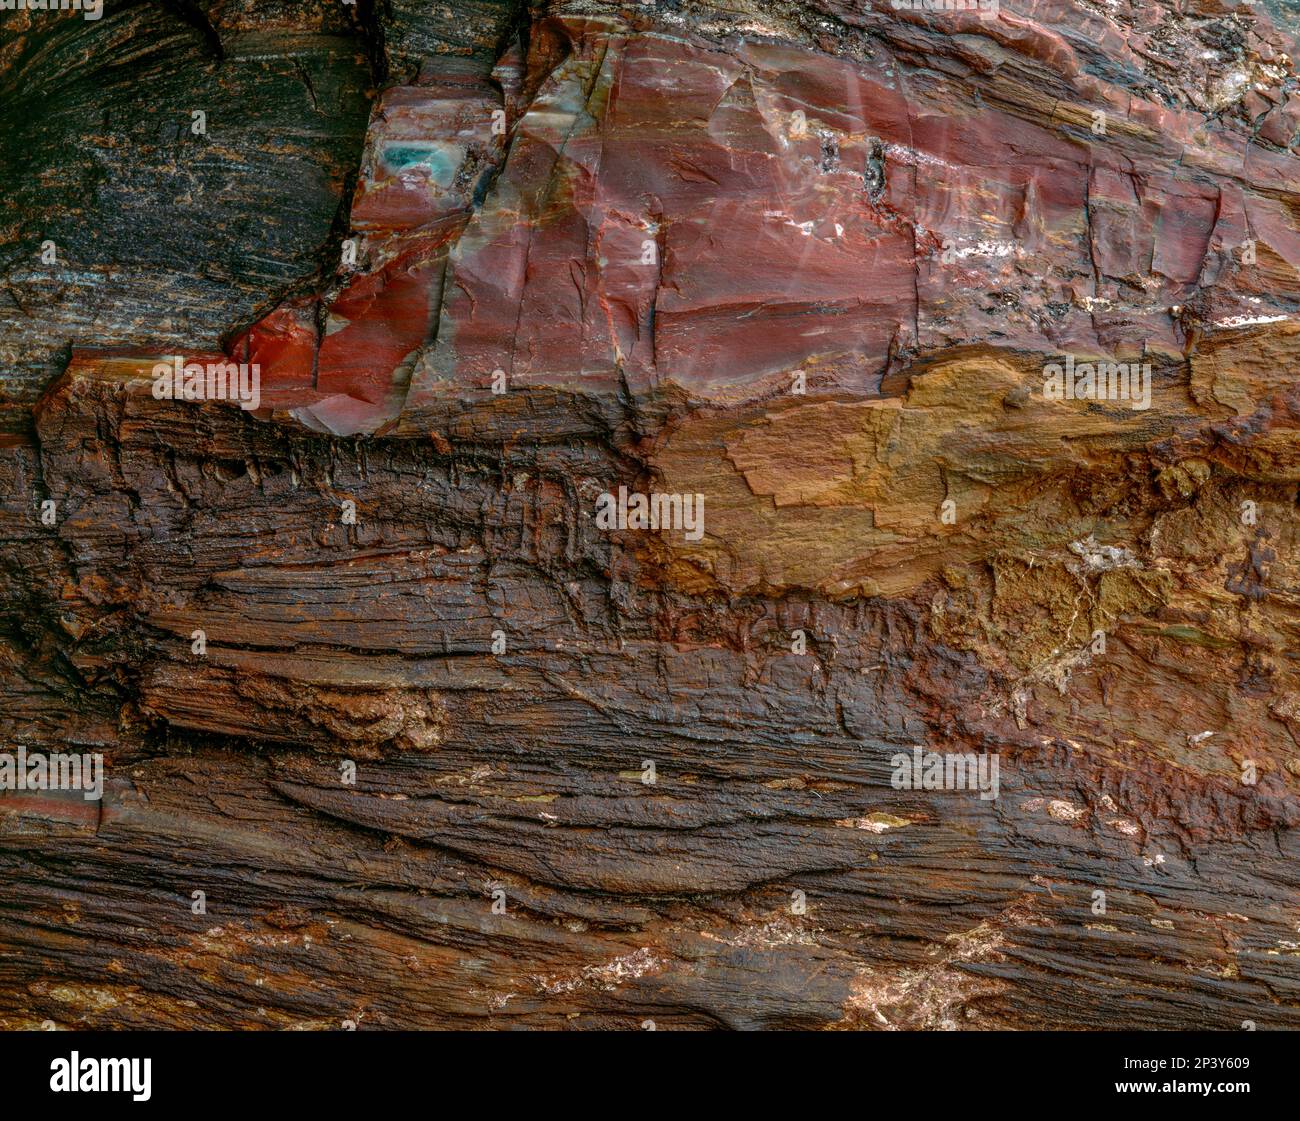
(368, 672)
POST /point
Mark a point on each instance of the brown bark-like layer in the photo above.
(397, 572)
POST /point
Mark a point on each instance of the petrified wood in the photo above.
(435, 745)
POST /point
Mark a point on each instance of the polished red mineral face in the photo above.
(716, 215)
(341, 363)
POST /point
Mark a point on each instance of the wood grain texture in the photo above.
(498, 671)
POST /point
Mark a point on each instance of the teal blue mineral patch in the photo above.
(441, 160)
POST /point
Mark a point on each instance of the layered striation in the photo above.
(811, 263)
